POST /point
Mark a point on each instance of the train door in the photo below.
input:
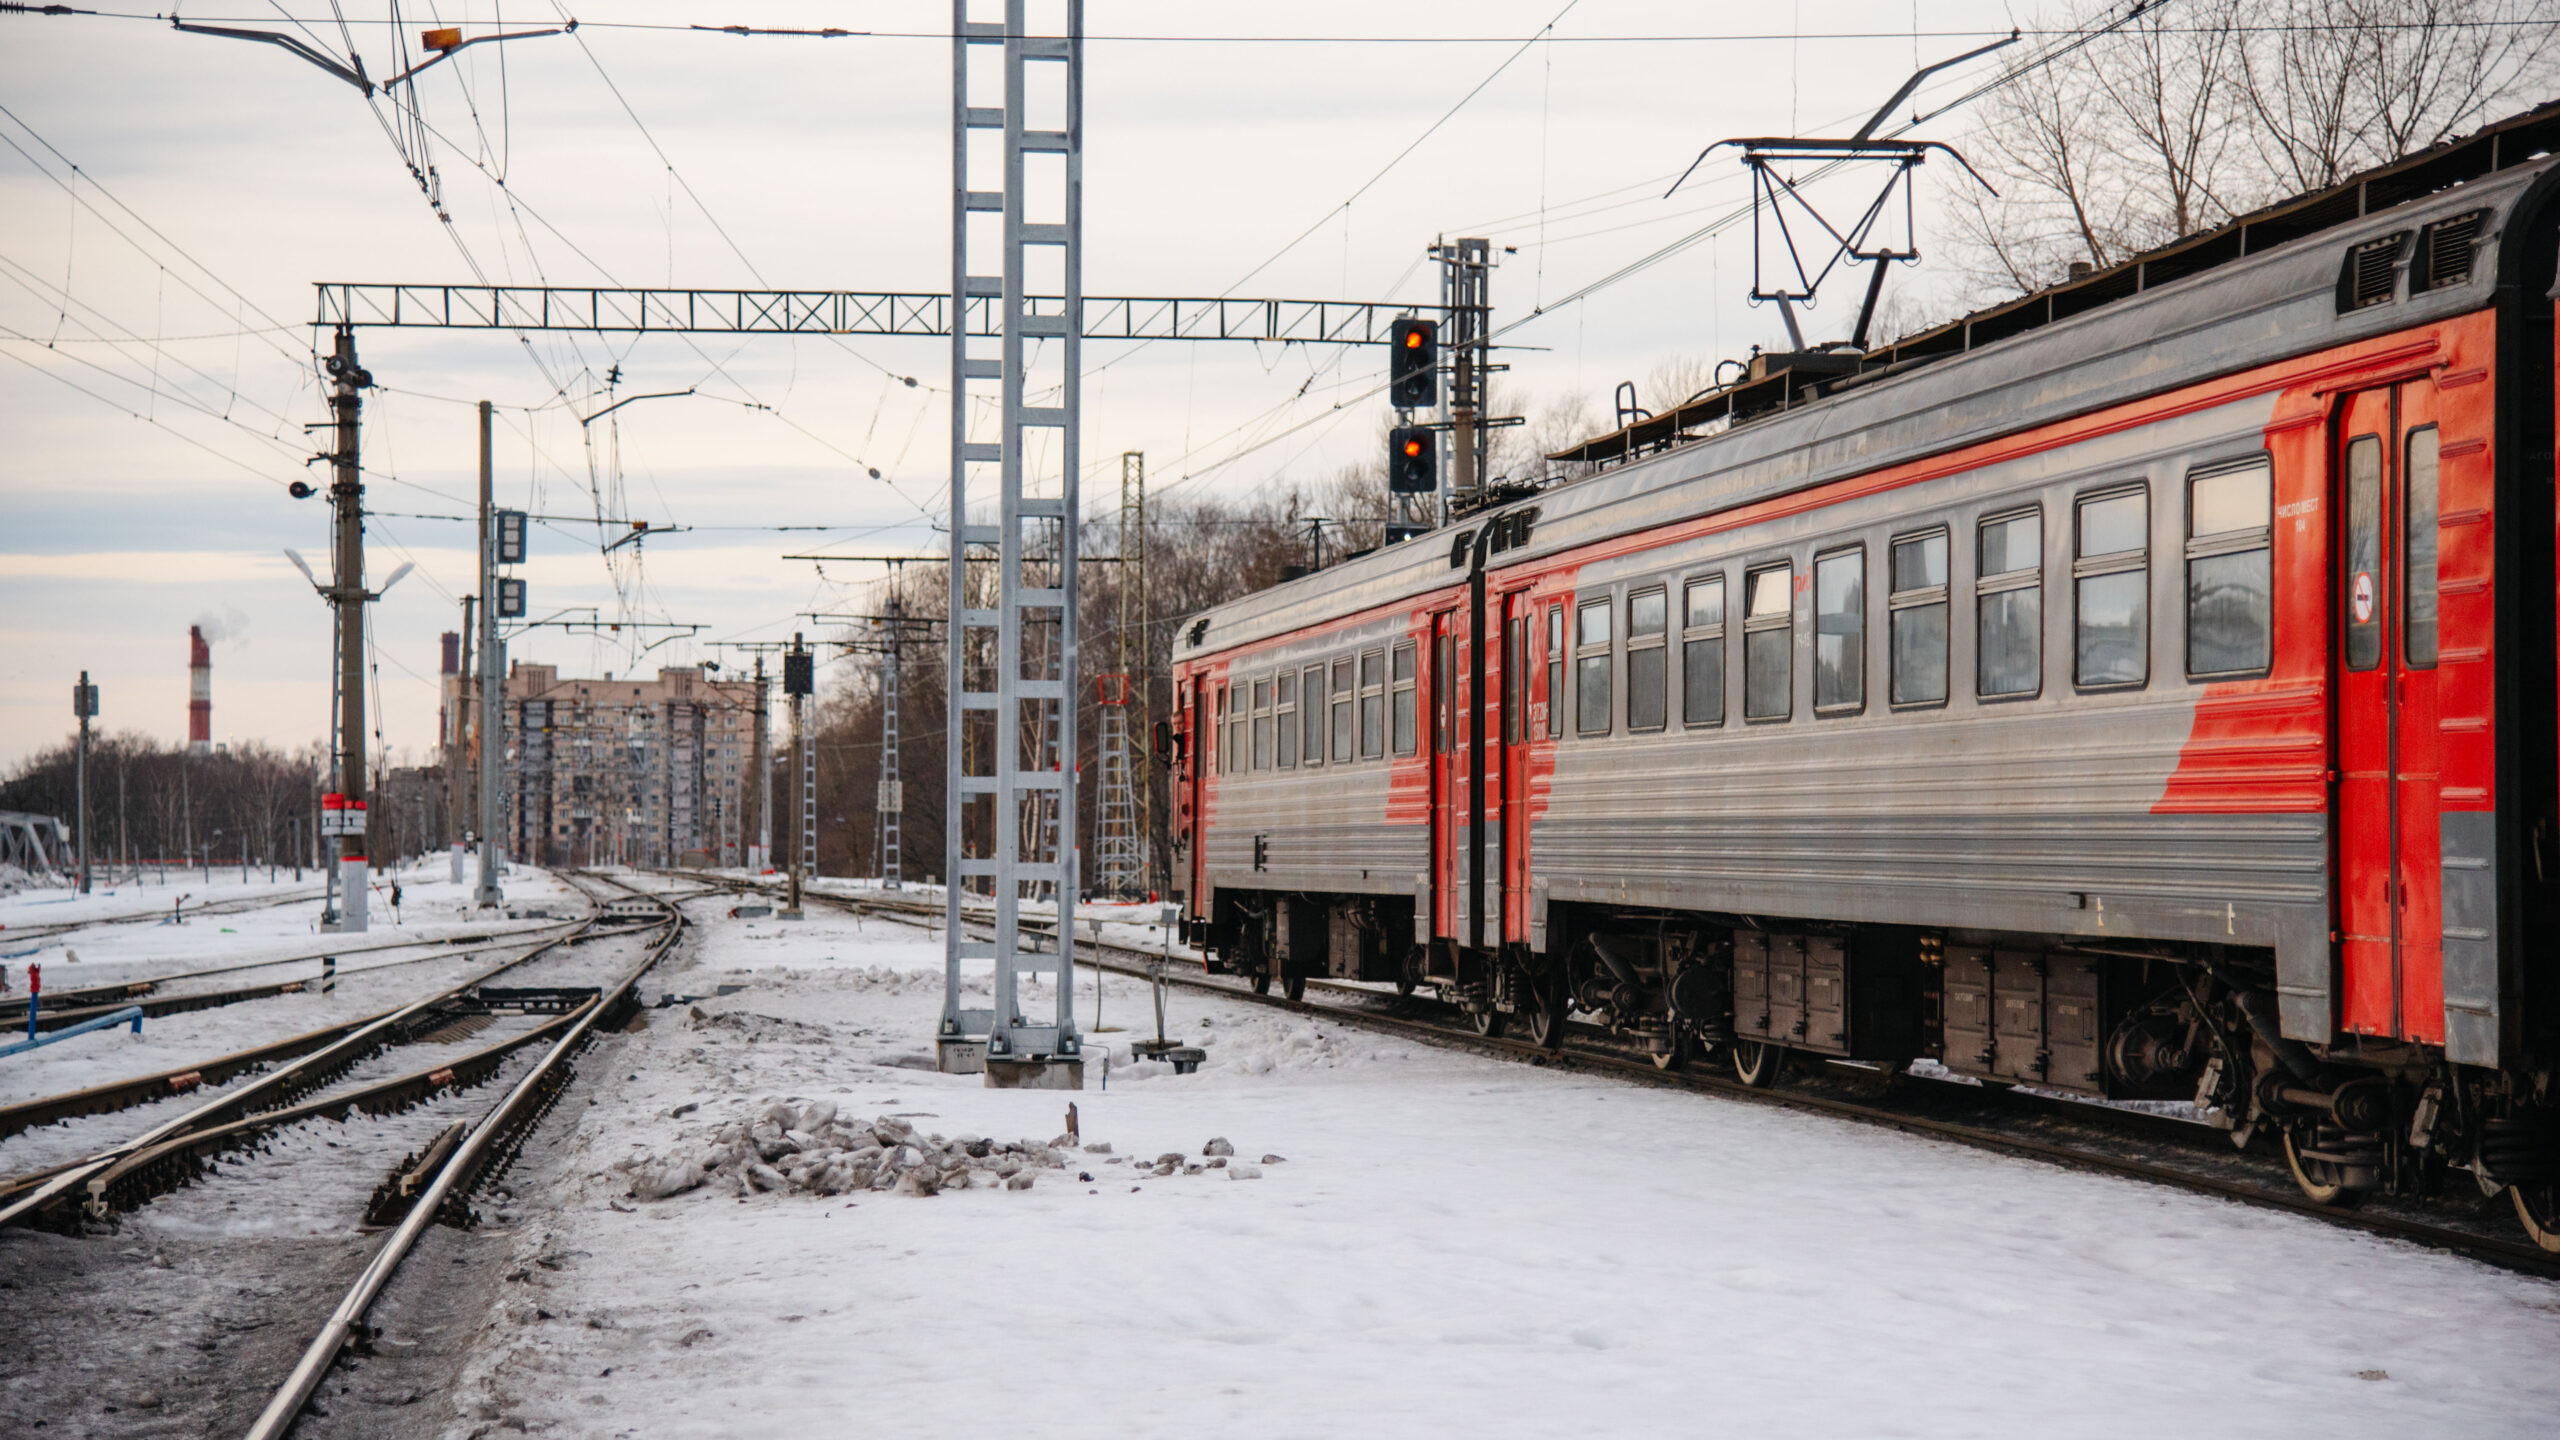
(1192, 822)
(1448, 781)
(1519, 623)
(2389, 739)
(1487, 931)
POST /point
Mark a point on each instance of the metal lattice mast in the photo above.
(893, 790)
(1013, 1043)
(1120, 868)
(1136, 656)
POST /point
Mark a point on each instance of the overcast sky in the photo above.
(155, 315)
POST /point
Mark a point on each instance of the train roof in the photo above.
(2281, 282)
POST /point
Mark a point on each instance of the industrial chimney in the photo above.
(199, 693)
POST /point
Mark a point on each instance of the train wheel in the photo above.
(2538, 1206)
(1294, 987)
(1409, 973)
(1756, 1063)
(1261, 982)
(1489, 1022)
(2320, 1180)
(1545, 1017)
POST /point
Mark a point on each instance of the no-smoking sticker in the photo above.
(2360, 598)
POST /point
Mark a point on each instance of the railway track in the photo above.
(130, 1172)
(97, 1000)
(122, 992)
(243, 905)
(2135, 1144)
(434, 1183)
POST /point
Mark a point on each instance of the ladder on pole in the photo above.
(997, 679)
(1120, 867)
(893, 790)
(802, 725)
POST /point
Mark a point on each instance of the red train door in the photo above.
(1448, 778)
(2389, 737)
(1519, 621)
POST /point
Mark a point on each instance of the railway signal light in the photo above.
(1413, 460)
(799, 673)
(510, 537)
(510, 599)
(1413, 373)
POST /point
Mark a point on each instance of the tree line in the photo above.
(152, 802)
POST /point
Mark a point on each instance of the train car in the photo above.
(2144, 689)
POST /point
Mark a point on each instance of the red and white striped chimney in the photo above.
(199, 692)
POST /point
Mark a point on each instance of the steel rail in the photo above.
(149, 984)
(467, 1161)
(238, 906)
(125, 1094)
(154, 1006)
(312, 1069)
(139, 1177)
(2505, 1254)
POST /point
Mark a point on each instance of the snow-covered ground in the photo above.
(1447, 1244)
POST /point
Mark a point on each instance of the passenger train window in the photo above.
(1916, 619)
(1702, 653)
(1648, 659)
(2111, 590)
(1226, 751)
(1311, 715)
(1373, 704)
(1444, 692)
(1768, 643)
(1261, 724)
(1284, 718)
(2363, 618)
(1236, 726)
(1555, 669)
(1342, 711)
(2009, 606)
(2418, 550)
(1591, 668)
(1400, 698)
(2230, 572)
(1840, 632)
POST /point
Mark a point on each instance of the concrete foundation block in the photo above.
(1048, 1074)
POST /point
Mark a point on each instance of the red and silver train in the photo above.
(2149, 688)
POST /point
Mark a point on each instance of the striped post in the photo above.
(328, 974)
(35, 992)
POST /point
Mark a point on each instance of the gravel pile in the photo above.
(805, 1148)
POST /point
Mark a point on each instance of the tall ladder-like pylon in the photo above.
(994, 684)
(893, 790)
(1120, 869)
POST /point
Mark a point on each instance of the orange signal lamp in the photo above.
(446, 39)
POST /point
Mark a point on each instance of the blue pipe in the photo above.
(130, 1012)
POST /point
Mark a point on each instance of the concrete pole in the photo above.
(491, 671)
(346, 492)
(86, 707)
(760, 765)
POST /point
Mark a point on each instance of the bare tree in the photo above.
(2192, 114)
